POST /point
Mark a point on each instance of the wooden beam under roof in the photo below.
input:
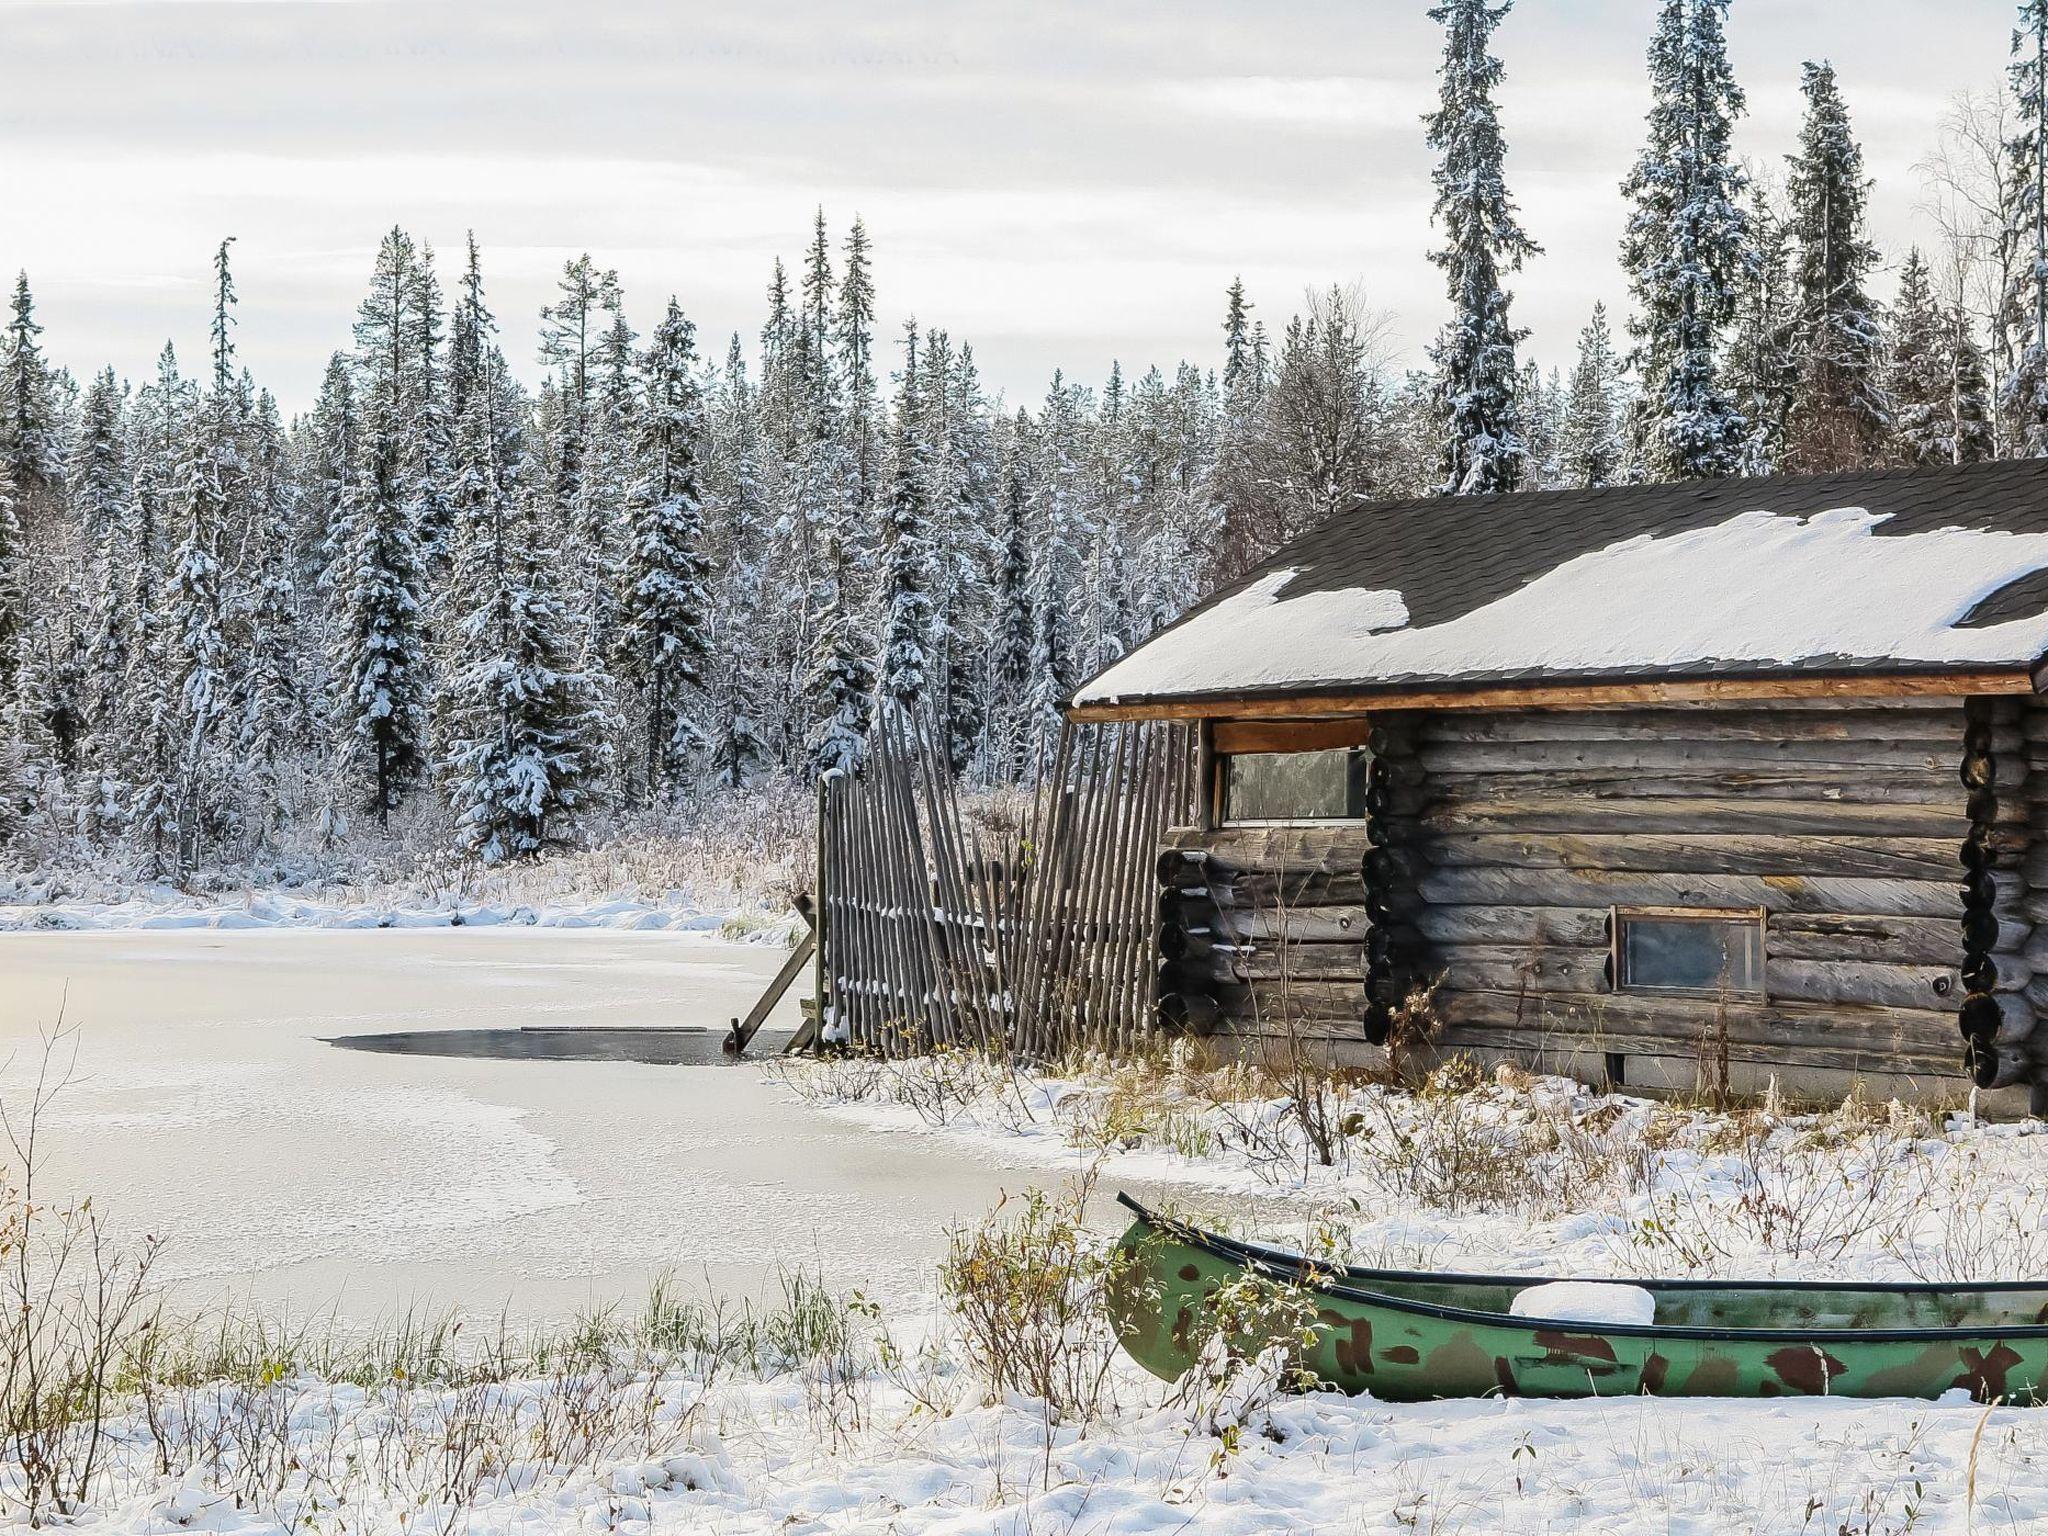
(1318, 705)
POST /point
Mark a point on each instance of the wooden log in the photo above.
(1517, 967)
(1299, 962)
(1996, 1066)
(1473, 885)
(1937, 988)
(1542, 813)
(1344, 924)
(1288, 704)
(1641, 756)
(1763, 726)
(1853, 936)
(1940, 1063)
(1789, 1028)
(1875, 858)
(1846, 785)
(1523, 925)
(1275, 1002)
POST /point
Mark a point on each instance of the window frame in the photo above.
(1358, 760)
(1222, 739)
(1757, 919)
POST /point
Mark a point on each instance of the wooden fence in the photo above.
(1023, 922)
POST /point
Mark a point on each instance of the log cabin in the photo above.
(1718, 783)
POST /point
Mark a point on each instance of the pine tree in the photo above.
(1237, 336)
(2025, 392)
(1969, 382)
(665, 602)
(210, 487)
(1918, 377)
(160, 425)
(101, 497)
(907, 553)
(1840, 416)
(856, 340)
(1015, 623)
(1687, 246)
(1590, 449)
(275, 716)
(13, 583)
(1475, 353)
(525, 740)
(572, 343)
(1763, 357)
(31, 443)
(1058, 521)
(733, 486)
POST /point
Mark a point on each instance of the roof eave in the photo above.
(1566, 693)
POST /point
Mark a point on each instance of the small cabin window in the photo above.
(1294, 786)
(1690, 952)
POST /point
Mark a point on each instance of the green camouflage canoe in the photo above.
(1405, 1336)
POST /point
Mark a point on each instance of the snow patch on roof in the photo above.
(1758, 589)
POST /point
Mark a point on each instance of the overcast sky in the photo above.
(1060, 183)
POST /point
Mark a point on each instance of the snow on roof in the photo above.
(1919, 571)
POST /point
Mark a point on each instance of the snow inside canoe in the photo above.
(1406, 1336)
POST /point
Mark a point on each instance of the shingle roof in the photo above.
(1908, 570)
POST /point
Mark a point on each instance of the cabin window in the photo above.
(1294, 786)
(1690, 952)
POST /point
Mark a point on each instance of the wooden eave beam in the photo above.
(1316, 705)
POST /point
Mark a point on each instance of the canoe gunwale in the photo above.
(1296, 1269)
(1361, 1277)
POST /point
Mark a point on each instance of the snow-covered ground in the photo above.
(163, 909)
(1513, 1173)
(913, 1451)
(885, 1421)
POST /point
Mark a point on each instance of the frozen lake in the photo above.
(207, 1108)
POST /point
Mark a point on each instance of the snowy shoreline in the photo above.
(260, 911)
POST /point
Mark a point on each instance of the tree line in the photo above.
(488, 610)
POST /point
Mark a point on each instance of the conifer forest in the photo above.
(446, 606)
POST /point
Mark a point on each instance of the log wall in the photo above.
(1890, 844)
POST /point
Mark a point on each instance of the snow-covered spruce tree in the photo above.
(963, 513)
(525, 740)
(839, 686)
(855, 336)
(734, 669)
(102, 499)
(159, 427)
(572, 343)
(428, 461)
(211, 487)
(907, 555)
(1917, 378)
(1840, 417)
(1763, 352)
(276, 725)
(1686, 247)
(1058, 521)
(1324, 420)
(1969, 381)
(1475, 352)
(379, 663)
(13, 584)
(1238, 477)
(31, 435)
(334, 462)
(1015, 625)
(1589, 440)
(609, 473)
(665, 600)
(2024, 394)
